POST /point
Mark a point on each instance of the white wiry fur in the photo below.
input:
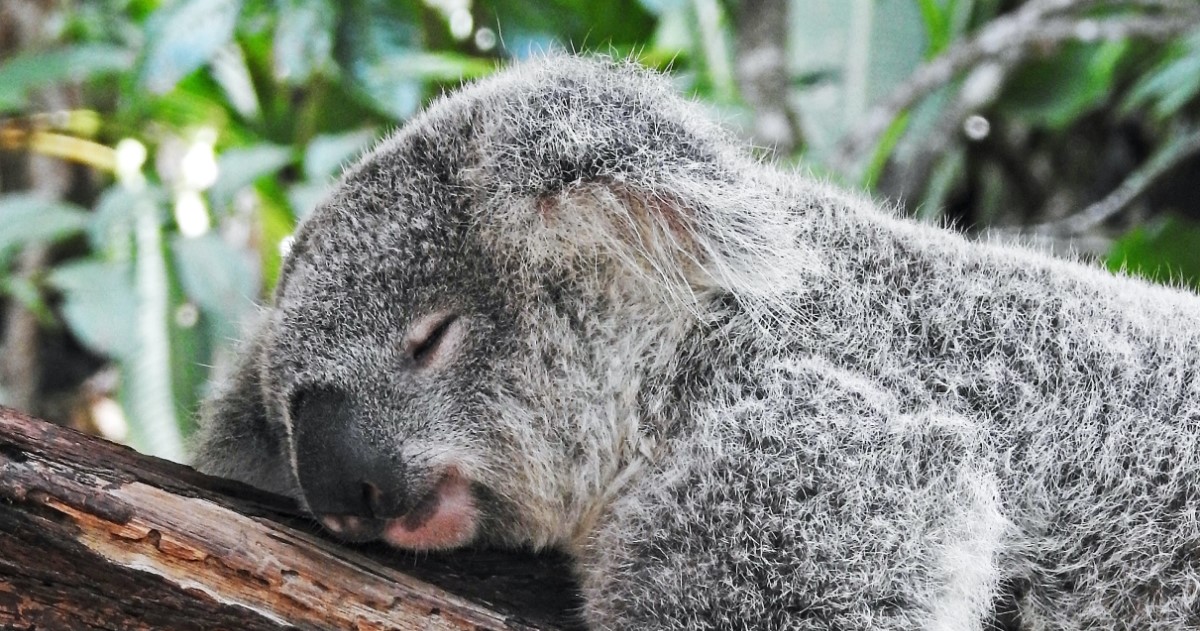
(740, 398)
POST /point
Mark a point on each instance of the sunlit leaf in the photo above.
(148, 376)
(305, 197)
(1173, 84)
(110, 230)
(195, 101)
(218, 277)
(36, 69)
(26, 218)
(303, 39)
(182, 36)
(326, 154)
(240, 167)
(231, 73)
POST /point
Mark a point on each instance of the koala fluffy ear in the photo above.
(579, 159)
(686, 237)
(236, 438)
(649, 233)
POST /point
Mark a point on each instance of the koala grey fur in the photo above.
(739, 398)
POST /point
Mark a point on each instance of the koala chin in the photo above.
(563, 308)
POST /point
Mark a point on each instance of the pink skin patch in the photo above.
(447, 518)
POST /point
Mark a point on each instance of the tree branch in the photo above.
(96, 536)
(1015, 37)
(763, 75)
(1182, 147)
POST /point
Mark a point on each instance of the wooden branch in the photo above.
(96, 536)
(761, 27)
(1184, 144)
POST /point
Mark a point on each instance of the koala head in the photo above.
(465, 330)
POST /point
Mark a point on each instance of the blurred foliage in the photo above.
(211, 127)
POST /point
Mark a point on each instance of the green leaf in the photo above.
(887, 144)
(230, 71)
(372, 35)
(1056, 92)
(26, 218)
(1171, 85)
(98, 305)
(659, 7)
(239, 168)
(326, 154)
(305, 197)
(949, 170)
(196, 101)
(27, 294)
(110, 230)
(937, 24)
(395, 83)
(275, 224)
(218, 277)
(1167, 251)
(864, 47)
(532, 27)
(714, 51)
(303, 39)
(36, 69)
(149, 378)
(182, 36)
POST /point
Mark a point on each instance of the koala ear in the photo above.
(649, 233)
(687, 237)
(236, 438)
(577, 159)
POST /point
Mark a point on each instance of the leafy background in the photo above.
(155, 156)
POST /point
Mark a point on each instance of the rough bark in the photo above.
(96, 536)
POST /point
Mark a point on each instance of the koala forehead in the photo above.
(394, 227)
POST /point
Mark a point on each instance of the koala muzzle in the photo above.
(342, 471)
(360, 487)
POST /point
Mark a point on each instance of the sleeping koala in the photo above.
(562, 308)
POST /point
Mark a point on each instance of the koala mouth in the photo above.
(445, 517)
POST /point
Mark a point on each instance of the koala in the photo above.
(563, 308)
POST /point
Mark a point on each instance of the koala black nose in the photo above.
(343, 466)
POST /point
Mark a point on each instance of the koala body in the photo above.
(563, 308)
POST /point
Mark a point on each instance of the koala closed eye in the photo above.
(432, 339)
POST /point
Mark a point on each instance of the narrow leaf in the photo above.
(31, 70)
(98, 305)
(184, 35)
(27, 218)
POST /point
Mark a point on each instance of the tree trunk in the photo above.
(96, 536)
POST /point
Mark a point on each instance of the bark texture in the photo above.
(96, 536)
